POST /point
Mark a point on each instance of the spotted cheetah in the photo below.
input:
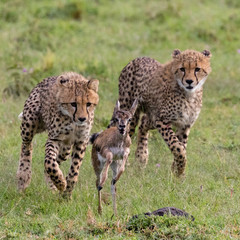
(64, 106)
(169, 95)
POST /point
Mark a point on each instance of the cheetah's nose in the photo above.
(189, 81)
(81, 119)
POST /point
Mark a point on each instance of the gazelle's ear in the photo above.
(134, 107)
(118, 105)
(116, 108)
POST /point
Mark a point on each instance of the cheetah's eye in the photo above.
(89, 104)
(197, 69)
(73, 104)
(182, 69)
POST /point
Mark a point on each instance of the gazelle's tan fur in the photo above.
(111, 149)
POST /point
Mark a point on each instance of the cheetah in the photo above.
(64, 106)
(169, 97)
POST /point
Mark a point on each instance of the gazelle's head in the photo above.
(122, 118)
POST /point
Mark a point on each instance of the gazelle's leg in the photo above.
(99, 196)
(115, 167)
(98, 168)
(109, 159)
(122, 167)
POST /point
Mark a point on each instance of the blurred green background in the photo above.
(98, 38)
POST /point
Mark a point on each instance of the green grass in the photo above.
(98, 38)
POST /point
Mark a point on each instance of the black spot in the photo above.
(76, 156)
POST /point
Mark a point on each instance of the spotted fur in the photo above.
(169, 95)
(64, 106)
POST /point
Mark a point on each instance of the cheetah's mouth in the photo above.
(189, 87)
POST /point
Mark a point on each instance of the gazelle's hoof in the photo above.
(99, 188)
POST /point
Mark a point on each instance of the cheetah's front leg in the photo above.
(78, 153)
(177, 148)
(52, 166)
(182, 134)
(64, 152)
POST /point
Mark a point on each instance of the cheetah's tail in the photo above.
(20, 116)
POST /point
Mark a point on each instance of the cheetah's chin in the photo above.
(81, 124)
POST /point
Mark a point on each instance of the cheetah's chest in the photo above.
(186, 114)
(70, 132)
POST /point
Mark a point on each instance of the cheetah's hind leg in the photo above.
(142, 145)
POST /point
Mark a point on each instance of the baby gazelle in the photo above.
(111, 148)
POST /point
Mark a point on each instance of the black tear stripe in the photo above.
(195, 72)
(74, 113)
(87, 111)
(196, 77)
(183, 77)
(75, 86)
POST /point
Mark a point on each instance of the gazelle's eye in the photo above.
(73, 104)
(197, 69)
(182, 69)
(89, 104)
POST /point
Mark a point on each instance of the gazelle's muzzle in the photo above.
(122, 129)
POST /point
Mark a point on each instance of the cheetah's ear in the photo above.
(134, 107)
(175, 53)
(93, 84)
(62, 80)
(206, 53)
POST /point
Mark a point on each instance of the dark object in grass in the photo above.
(169, 211)
(141, 221)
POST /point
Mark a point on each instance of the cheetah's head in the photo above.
(76, 97)
(191, 68)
